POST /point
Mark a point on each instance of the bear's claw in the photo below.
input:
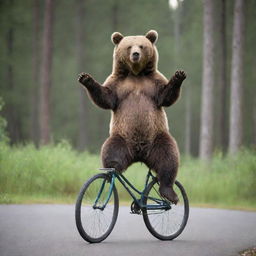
(180, 75)
(84, 78)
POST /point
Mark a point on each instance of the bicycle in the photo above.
(98, 203)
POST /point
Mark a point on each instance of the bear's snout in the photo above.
(135, 56)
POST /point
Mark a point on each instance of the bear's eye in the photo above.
(129, 47)
(141, 46)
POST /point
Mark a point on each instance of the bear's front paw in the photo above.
(84, 78)
(180, 76)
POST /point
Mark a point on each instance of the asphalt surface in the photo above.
(50, 230)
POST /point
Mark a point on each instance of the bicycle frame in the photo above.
(161, 204)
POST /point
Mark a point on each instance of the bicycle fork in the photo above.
(113, 176)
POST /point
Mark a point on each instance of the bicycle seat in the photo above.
(107, 169)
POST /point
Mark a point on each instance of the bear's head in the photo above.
(135, 54)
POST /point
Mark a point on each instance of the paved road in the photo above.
(35, 230)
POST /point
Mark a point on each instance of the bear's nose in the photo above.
(135, 54)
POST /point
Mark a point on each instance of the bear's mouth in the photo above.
(135, 58)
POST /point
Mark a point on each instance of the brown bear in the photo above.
(136, 92)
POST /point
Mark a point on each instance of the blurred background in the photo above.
(79, 40)
(46, 44)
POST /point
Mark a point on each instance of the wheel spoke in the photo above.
(166, 224)
(95, 225)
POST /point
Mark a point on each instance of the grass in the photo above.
(55, 173)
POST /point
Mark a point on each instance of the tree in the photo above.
(222, 94)
(14, 122)
(254, 122)
(81, 62)
(188, 122)
(34, 129)
(236, 116)
(46, 67)
(115, 15)
(206, 131)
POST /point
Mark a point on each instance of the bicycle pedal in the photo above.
(137, 213)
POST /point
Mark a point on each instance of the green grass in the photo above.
(55, 173)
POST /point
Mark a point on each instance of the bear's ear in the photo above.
(116, 38)
(152, 36)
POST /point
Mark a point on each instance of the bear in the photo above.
(136, 93)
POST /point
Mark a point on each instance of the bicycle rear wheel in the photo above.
(166, 224)
(94, 221)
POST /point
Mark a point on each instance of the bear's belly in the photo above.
(137, 120)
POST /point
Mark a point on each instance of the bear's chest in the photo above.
(135, 88)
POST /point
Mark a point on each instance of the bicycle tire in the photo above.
(82, 222)
(169, 214)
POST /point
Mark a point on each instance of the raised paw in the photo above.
(84, 78)
(180, 75)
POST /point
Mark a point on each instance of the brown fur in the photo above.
(136, 92)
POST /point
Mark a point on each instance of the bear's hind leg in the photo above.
(115, 153)
(164, 159)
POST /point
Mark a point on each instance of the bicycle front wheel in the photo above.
(165, 224)
(95, 214)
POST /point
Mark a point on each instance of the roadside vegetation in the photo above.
(55, 173)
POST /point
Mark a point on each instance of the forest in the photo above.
(79, 40)
(46, 44)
